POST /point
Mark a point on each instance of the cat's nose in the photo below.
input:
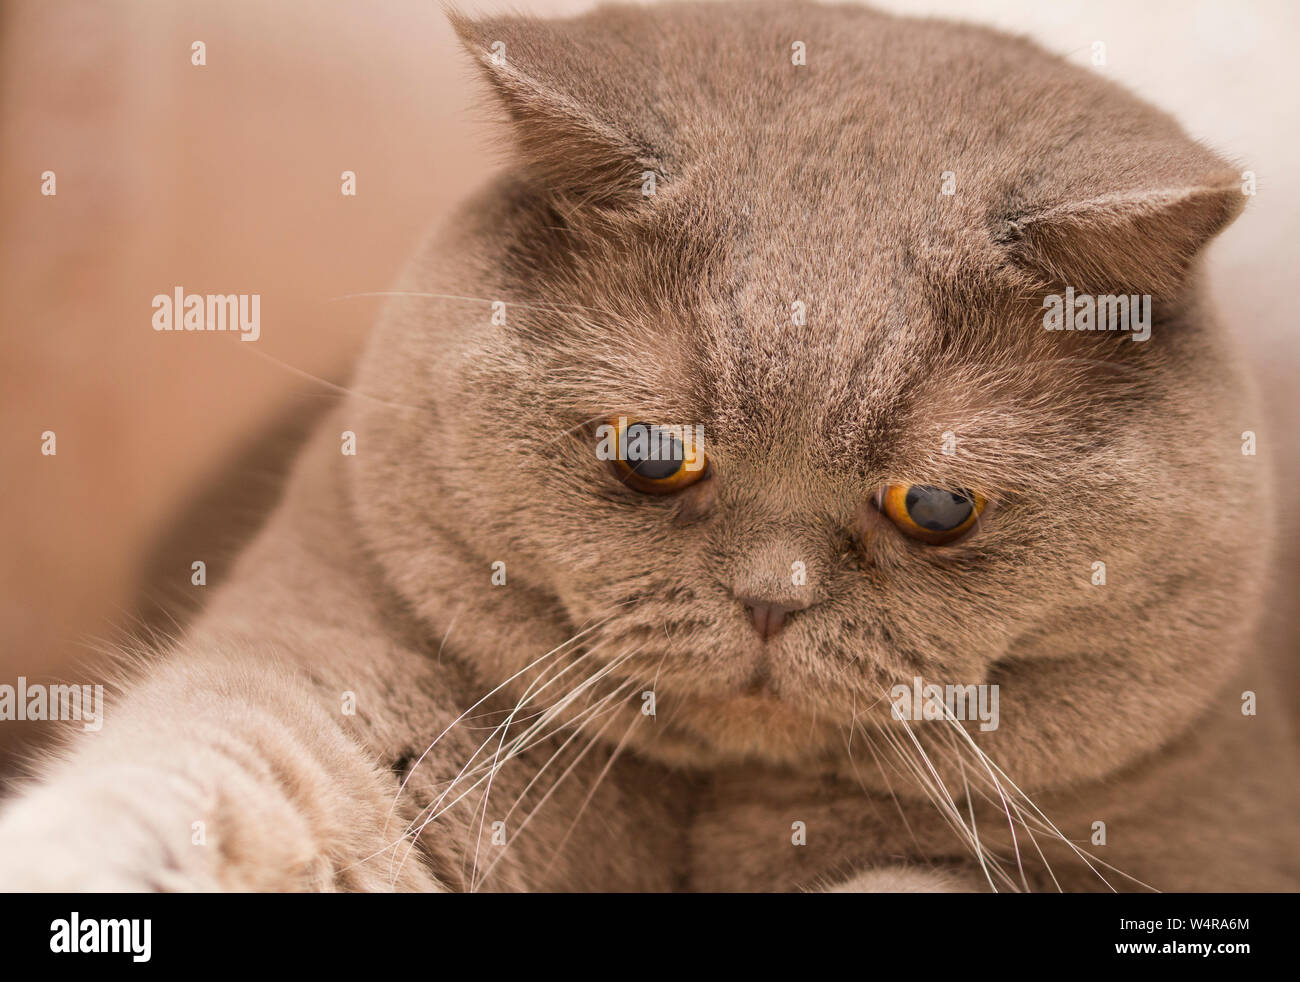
(768, 618)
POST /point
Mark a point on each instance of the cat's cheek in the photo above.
(696, 502)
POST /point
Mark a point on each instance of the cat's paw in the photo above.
(53, 841)
(137, 830)
(909, 879)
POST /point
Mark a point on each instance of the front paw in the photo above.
(93, 840)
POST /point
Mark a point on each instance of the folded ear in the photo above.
(1129, 222)
(583, 125)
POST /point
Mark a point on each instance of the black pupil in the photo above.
(936, 509)
(652, 453)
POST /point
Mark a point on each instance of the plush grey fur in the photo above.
(773, 183)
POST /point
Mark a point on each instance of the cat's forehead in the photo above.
(820, 334)
(786, 336)
(770, 347)
(808, 326)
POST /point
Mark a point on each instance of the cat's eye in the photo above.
(655, 459)
(933, 515)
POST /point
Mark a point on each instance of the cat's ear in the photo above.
(581, 125)
(1125, 227)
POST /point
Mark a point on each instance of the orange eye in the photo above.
(933, 515)
(654, 459)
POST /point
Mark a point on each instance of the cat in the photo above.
(467, 653)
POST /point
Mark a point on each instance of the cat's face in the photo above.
(802, 291)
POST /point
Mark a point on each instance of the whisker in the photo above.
(496, 766)
(344, 390)
(618, 750)
(551, 790)
(880, 764)
(948, 807)
(1015, 843)
(1087, 858)
(437, 809)
(482, 700)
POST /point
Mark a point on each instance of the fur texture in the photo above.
(521, 703)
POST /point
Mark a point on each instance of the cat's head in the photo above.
(823, 236)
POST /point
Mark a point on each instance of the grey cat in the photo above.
(807, 249)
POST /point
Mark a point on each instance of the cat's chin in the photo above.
(707, 731)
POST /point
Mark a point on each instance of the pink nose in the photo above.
(768, 619)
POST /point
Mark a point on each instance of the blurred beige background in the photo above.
(225, 178)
